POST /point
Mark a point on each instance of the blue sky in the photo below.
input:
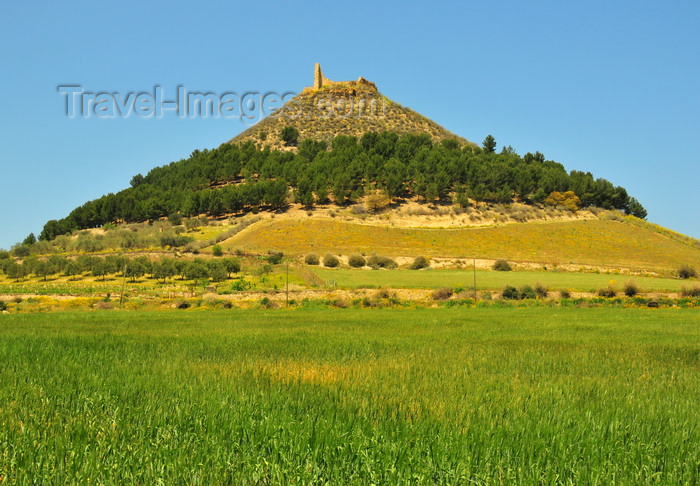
(600, 86)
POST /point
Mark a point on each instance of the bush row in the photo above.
(356, 261)
(359, 261)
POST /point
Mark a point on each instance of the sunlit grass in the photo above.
(204, 233)
(588, 242)
(551, 396)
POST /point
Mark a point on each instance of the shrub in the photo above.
(693, 291)
(443, 293)
(510, 293)
(565, 294)
(383, 293)
(103, 305)
(217, 250)
(356, 261)
(217, 270)
(21, 251)
(275, 258)
(541, 290)
(567, 200)
(330, 261)
(608, 291)
(420, 262)
(175, 219)
(240, 285)
(381, 262)
(501, 266)
(377, 201)
(73, 269)
(191, 223)
(232, 265)
(486, 296)
(631, 288)
(3, 305)
(193, 247)
(263, 269)
(266, 303)
(289, 136)
(686, 271)
(358, 209)
(527, 292)
(311, 259)
(183, 305)
(339, 303)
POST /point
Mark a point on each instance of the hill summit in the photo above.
(330, 108)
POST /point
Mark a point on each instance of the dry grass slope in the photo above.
(591, 242)
(303, 113)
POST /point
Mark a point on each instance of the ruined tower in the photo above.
(318, 76)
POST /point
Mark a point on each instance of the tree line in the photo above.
(217, 269)
(235, 178)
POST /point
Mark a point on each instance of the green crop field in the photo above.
(447, 396)
(490, 280)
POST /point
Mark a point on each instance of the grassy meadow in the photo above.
(490, 280)
(448, 396)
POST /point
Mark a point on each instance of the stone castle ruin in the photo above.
(342, 99)
(320, 81)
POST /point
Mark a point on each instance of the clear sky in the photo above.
(600, 86)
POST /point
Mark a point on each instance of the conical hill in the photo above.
(328, 109)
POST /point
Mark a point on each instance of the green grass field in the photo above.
(447, 396)
(490, 280)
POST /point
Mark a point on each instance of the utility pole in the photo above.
(474, 279)
(121, 297)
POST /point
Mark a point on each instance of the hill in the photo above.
(350, 108)
(381, 155)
